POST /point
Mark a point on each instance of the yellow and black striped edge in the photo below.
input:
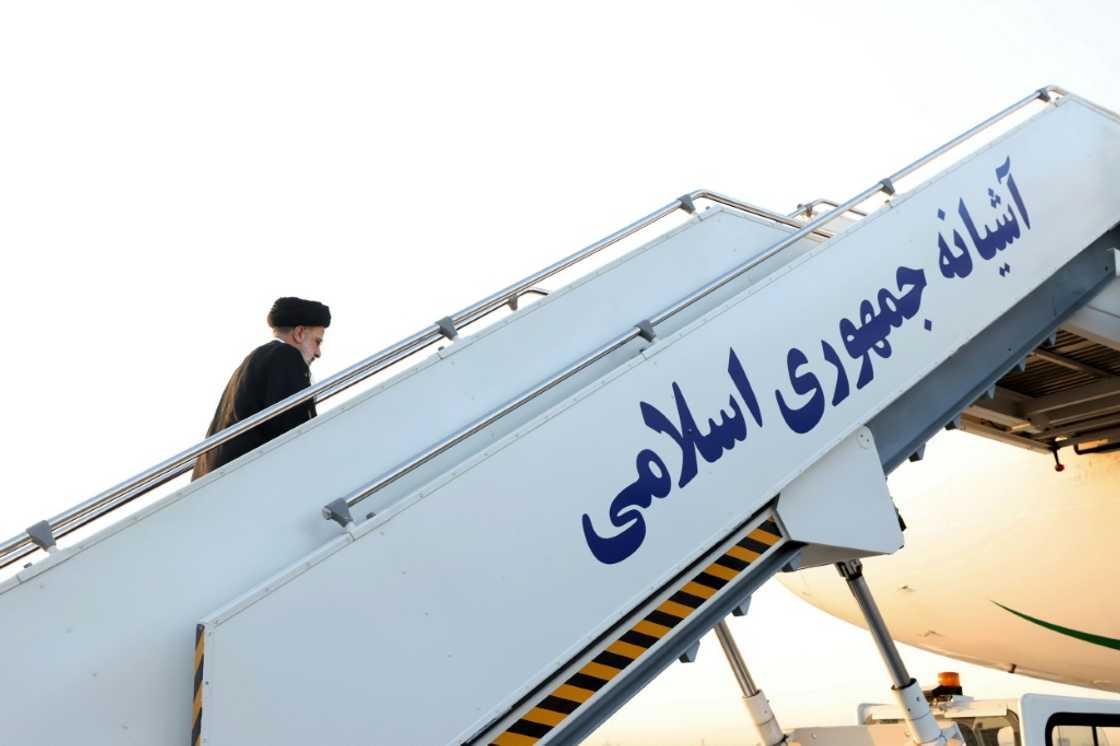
(561, 702)
(199, 660)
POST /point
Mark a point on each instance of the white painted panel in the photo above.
(841, 505)
(456, 601)
(109, 625)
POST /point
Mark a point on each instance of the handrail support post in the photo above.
(339, 512)
(447, 328)
(42, 536)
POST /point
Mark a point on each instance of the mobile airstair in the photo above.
(508, 539)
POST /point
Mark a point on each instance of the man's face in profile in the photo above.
(309, 341)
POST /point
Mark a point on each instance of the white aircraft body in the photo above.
(1008, 564)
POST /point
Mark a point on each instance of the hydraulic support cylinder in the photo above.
(923, 728)
(769, 732)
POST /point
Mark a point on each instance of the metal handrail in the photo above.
(46, 532)
(723, 199)
(807, 208)
(115, 497)
(339, 510)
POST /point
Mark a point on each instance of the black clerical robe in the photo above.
(271, 372)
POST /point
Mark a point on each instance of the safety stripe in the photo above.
(561, 702)
(199, 660)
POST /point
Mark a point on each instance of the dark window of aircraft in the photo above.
(1082, 729)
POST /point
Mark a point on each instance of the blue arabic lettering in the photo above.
(876, 322)
(653, 478)
(625, 513)
(874, 328)
(1004, 170)
(993, 241)
(953, 265)
(804, 418)
(719, 438)
(1007, 227)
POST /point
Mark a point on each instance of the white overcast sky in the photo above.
(168, 169)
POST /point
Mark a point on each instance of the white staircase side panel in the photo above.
(108, 624)
(457, 600)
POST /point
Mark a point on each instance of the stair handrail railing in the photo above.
(808, 208)
(340, 510)
(44, 534)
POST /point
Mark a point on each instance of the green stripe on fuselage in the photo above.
(1104, 642)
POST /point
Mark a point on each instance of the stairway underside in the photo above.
(1068, 395)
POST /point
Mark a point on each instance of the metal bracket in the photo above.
(743, 607)
(1044, 95)
(687, 204)
(512, 302)
(42, 536)
(447, 328)
(919, 454)
(689, 656)
(646, 330)
(850, 569)
(339, 512)
(888, 187)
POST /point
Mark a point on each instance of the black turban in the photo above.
(289, 312)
